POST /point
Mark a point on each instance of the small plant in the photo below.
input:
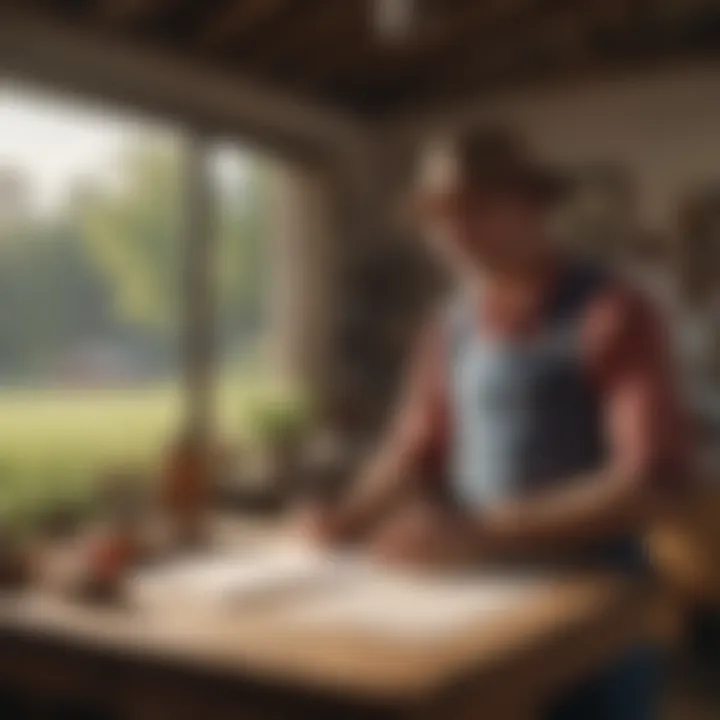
(278, 418)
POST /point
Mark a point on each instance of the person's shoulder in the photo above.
(620, 314)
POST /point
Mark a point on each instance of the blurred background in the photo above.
(92, 278)
(303, 121)
(197, 224)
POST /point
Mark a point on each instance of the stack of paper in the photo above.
(411, 607)
(339, 591)
(230, 579)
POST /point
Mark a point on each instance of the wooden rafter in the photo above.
(129, 11)
(168, 85)
(477, 54)
(560, 38)
(320, 24)
(432, 36)
(328, 50)
(237, 21)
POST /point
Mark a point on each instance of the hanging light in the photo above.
(394, 18)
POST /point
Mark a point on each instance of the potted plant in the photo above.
(276, 423)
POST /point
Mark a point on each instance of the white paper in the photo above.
(338, 591)
(233, 578)
(412, 608)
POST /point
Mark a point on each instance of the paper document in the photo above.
(338, 591)
(231, 578)
(412, 607)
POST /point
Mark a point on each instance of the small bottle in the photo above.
(184, 487)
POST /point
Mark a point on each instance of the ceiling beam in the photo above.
(342, 59)
(562, 35)
(227, 27)
(169, 86)
(125, 12)
(527, 41)
(522, 43)
(321, 26)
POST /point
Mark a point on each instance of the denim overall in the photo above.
(525, 416)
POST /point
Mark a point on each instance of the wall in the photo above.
(382, 287)
(662, 124)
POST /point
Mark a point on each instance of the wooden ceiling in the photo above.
(329, 49)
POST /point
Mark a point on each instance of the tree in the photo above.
(50, 296)
(107, 265)
(134, 232)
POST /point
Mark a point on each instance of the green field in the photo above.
(55, 445)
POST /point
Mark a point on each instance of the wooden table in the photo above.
(257, 663)
(686, 544)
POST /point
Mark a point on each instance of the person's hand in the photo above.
(421, 535)
(319, 523)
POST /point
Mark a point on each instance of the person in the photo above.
(539, 419)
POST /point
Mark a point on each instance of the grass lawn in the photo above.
(54, 445)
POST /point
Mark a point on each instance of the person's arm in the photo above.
(415, 443)
(630, 359)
